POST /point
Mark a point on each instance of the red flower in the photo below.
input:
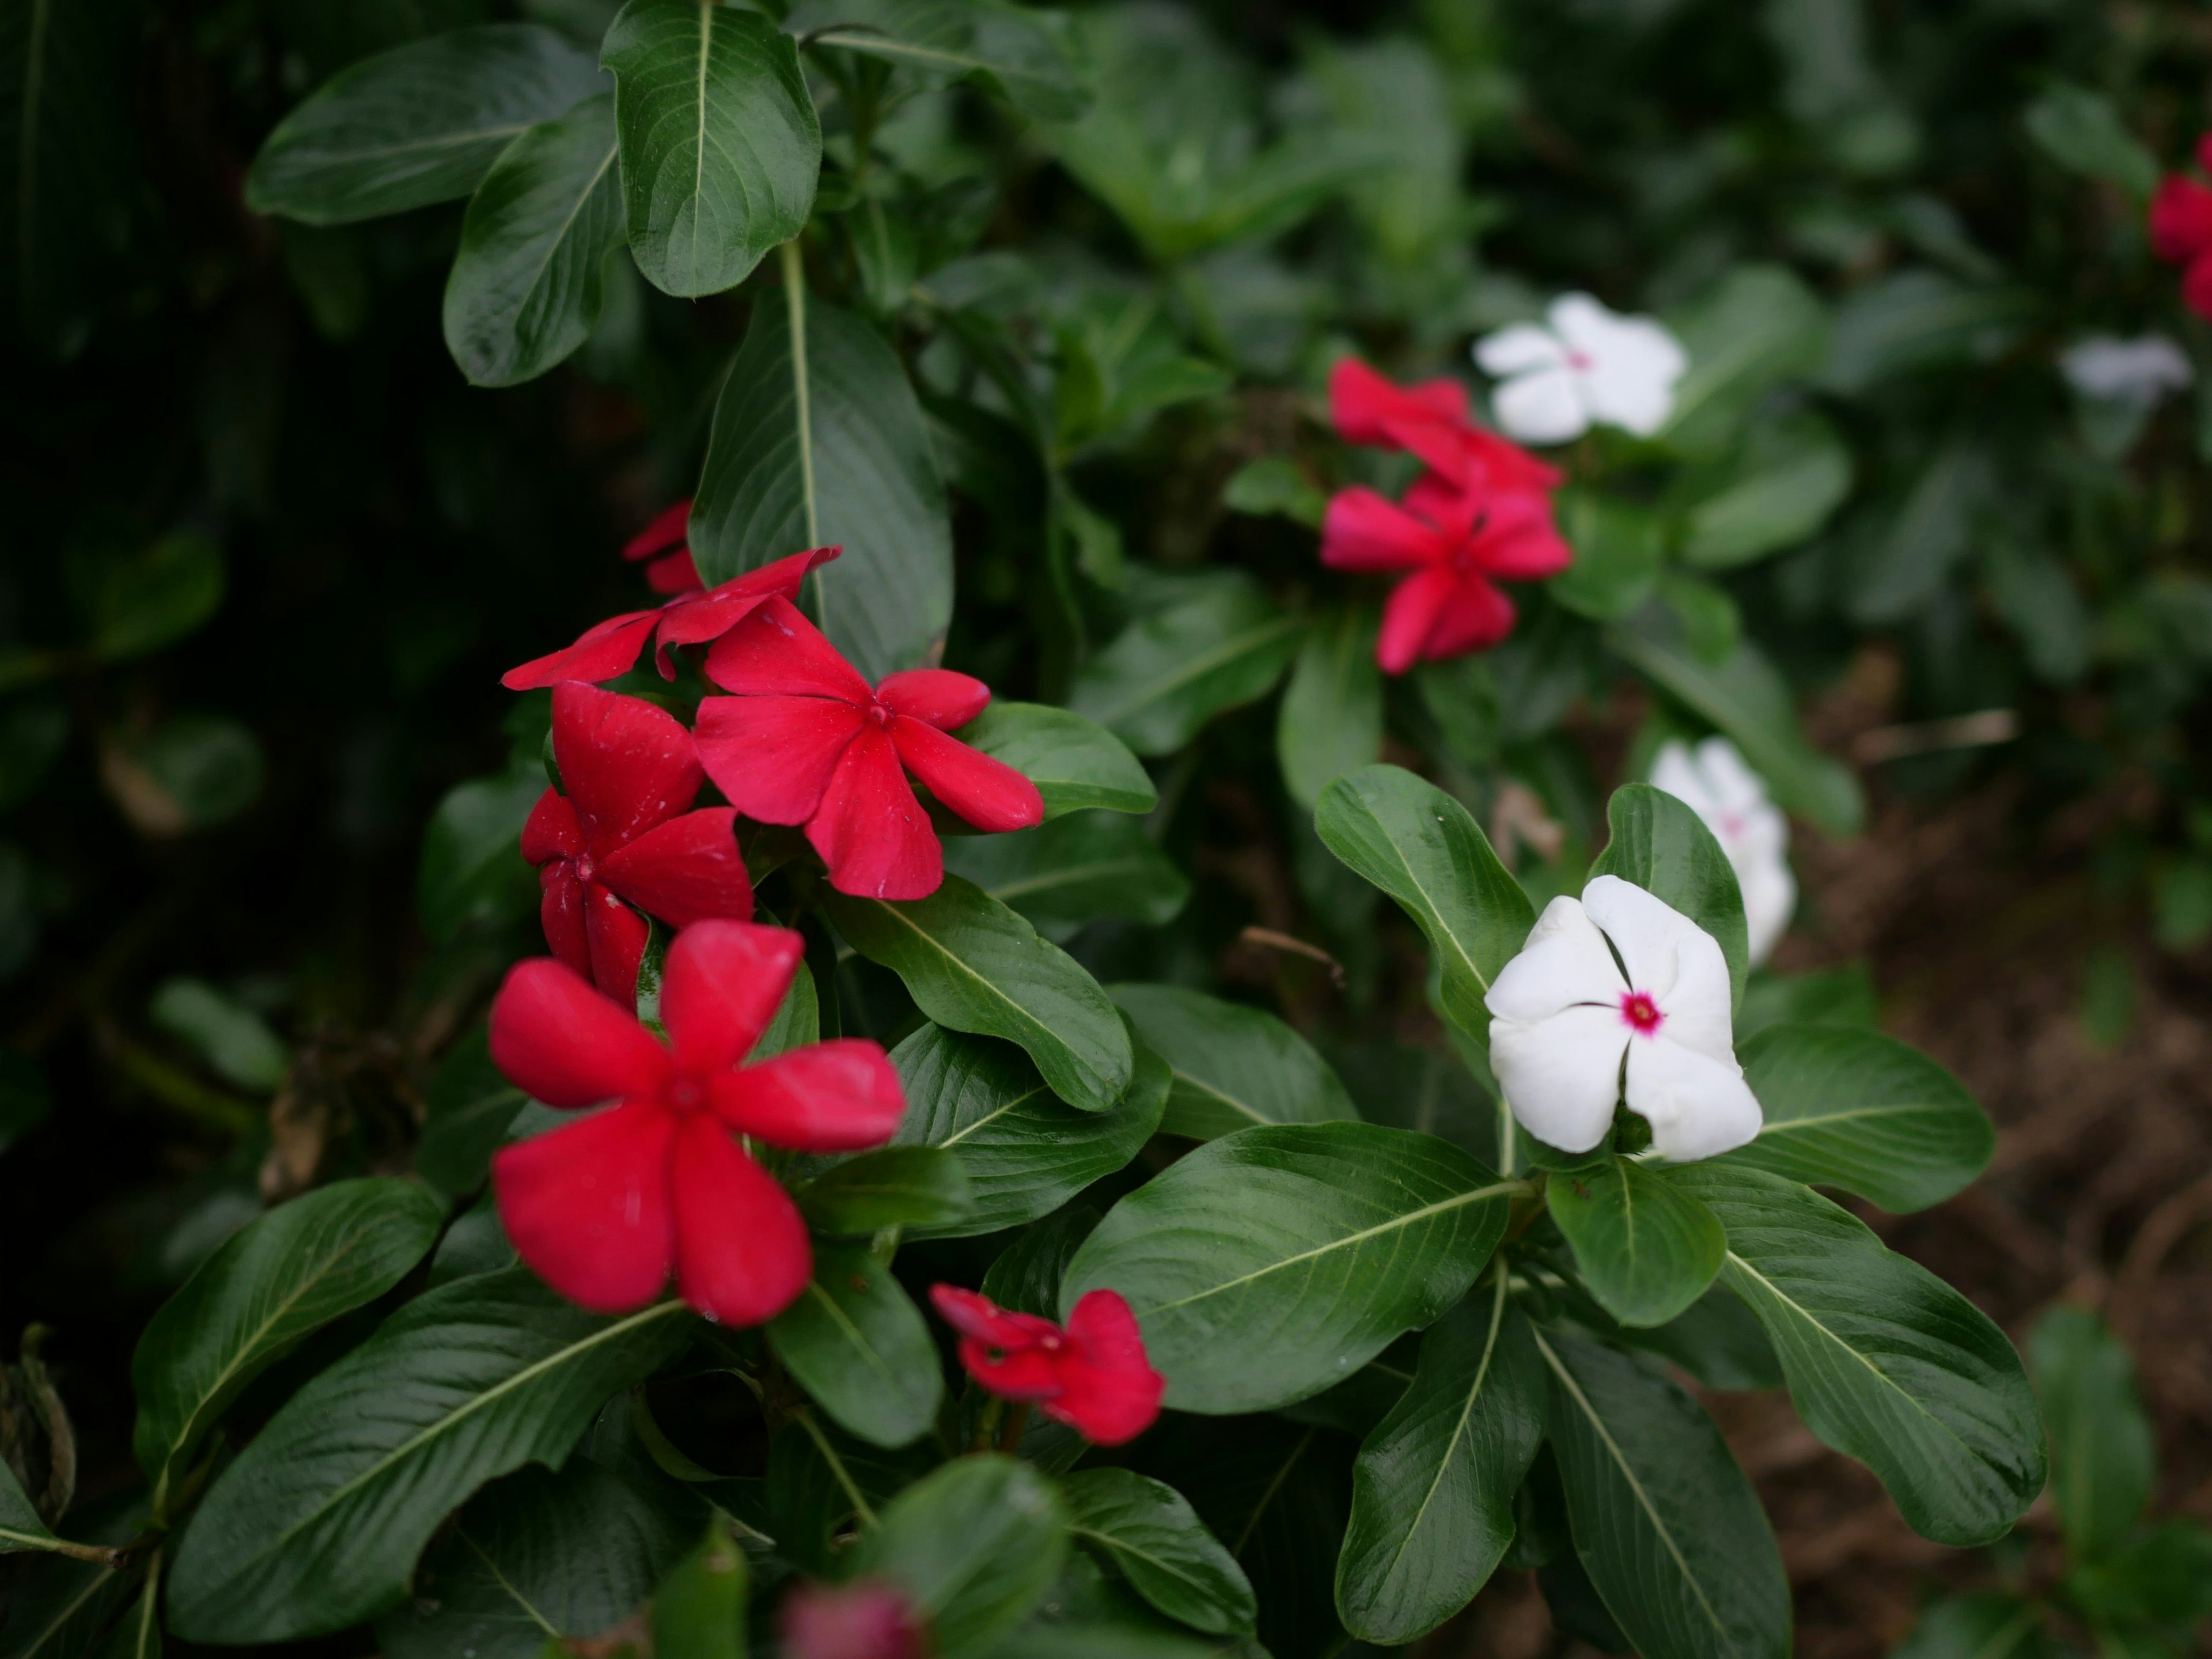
(869, 1619)
(1454, 542)
(805, 740)
(2181, 230)
(1430, 421)
(604, 1208)
(620, 833)
(666, 541)
(608, 648)
(1092, 1375)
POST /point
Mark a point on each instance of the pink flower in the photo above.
(1092, 1375)
(869, 1619)
(665, 541)
(2181, 230)
(1430, 421)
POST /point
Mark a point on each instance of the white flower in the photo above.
(1563, 1016)
(2140, 372)
(1591, 365)
(1713, 782)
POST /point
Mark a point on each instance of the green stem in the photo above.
(210, 1107)
(844, 1478)
(1010, 1435)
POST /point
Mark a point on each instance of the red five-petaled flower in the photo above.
(2181, 230)
(1092, 1376)
(604, 1208)
(666, 541)
(621, 832)
(805, 740)
(1430, 421)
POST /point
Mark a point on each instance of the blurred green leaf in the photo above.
(974, 1546)
(472, 869)
(1021, 54)
(466, 1114)
(1987, 1625)
(1077, 869)
(699, 1610)
(138, 602)
(1274, 485)
(1331, 718)
(233, 1040)
(191, 772)
(2104, 1456)
(1913, 321)
(1775, 493)
(1618, 547)
(2163, 1578)
(1758, 329)
(891, 1187)
(26, 1102)
(2081, 130)
(1216, 643)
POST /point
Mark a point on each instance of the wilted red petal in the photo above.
(602, 652)
(674, 575)
(624, 764)
(711, 614)
(551, 830)
(987, 792)
(618, 935)
(1475, 618)
(863, 1620)
(773, 756)
(2180, 219)
(560, 913)
(1520, 539)
(871, 830)
(559, 1041)
(935, 697)
(2196, 285)
(724, 982)
(1109, 1392)
(587, 1205)
(665, 529)
(685, 870)
(742, 1255)
(776, 652)
(834, 1097)
(1409, 617)
(1362, 531)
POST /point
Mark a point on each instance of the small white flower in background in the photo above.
(1562, 1016)
(2141, 371)
(1713, 782)
(1583, 365)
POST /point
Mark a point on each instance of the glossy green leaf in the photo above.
(1646, 1248)
(720, 149)
(1220, 643)
(1776, 492)
(472, 869)
(974, 1546)
(1016, 52)
(1759, 328)
(893, 1187)
(1331, 720)
(1717, 1339)
(1025, 1276)
(1273, 1262)
(1026, 1151)
(1864, 1112)
(2103, 1455)
(1618, 547)
(1149, 1530)
(699, 1611)
(59, 1606)
(465, 1116)
(268, 1287)
(1664, 848)
(856, 1343)
(420, 123)
(526, 286)
(1424, 849)
(825, 446)
(1885, 1362)
(1073, 761)
(1664, 1523)
(318, 1523)
(1432, 1492)
(972, 964)
(1075, 869)
(1234, 1066)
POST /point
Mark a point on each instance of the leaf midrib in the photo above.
(992, 1115)
(1459, 1429)
(1785, 1125)
(499, 1578)
(1427, 901)
(1068, 875)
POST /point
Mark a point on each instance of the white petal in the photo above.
(1561, 1076)
(1517, 349)
(2127, 371)
(1543, 407)
(1564, 962)
(1630, 363)
(1770, 897)
(1674, 773)
(1734, 784)
(1697, 1106)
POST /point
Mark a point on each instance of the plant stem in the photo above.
(844, 1476)
(1009, 1433)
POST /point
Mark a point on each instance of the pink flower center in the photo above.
(685, 1095)
(879, 715)
(1641, 1012)
(1579, 361)
(1050, 1342)
(1731, 825)
(582, 868)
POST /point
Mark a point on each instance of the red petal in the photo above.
(773, 756)
(741, 1251)
(866, 1620)
(1364, 532)
(724, 982)
(977, 1316)
(834, 1097)
(987, 792)
(559, 1041)
(551, 830)
(625, 764)
(2180, 219)
(2196, 285)
(776, 652)
(1504, 465)
(674, 575)
(714, 612)
(685, 870)
(1436, 500)
(871, 830)
(560, 913)
(601, 653)
(587, 1205)
(935, 696)
(1362, 404)
(665, 529)
(1409, 617)
(1475, 618)
(2203, 151)
(1110, 1393)
(1519, 538)
(618, 935)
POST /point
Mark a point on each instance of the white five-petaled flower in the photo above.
(1585, 364)
(2140, 371)
(1713, 782)
(1565, 1015)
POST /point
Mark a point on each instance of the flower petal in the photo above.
(624, 764)
(724, 982)
(1409, 617)
(1561, 1076)
(674, 575)
(1520, 539)
(1631, 363)
(1769, 899)
(1563, 961)
(714, 613)
(1362, 531)
(669, 527)
(935, 697)
(1698, 1106)
(551, 830)
(1362, 403)
(986, 793)
(1675, 772)
(871, 830)
(1668, 958)
(773, 756)
(742, 1256)
(2196, 285)
(1475, 618)
(602, 652)
(1517, 349)
(2180, 219)
(685, 870)
(975, 1316)
(1109, 1392)
(1543, 407)
(560, 913)
(587, 1205)
(559, 1041)
(776, 651)
(617, 936)
(835, 1096)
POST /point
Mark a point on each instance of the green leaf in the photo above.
(1026, 1152)
(974, 1546)
(1234, 1066)
(972, 964)
(1898, 570)
(1025, 1276)
(472, 869)
(1987, 1625)
(825, 445)
(2163, 1578)
(465, 1117)
(318, 1523)
(1074, 762)
(58, 1607)
(34, 732)
(1619, 546)
(235, 1041)
(1664, 1523)
(1885, 1362)
(1424, 849)
(1864, 1112)
(699, 1611)
(1646, 1248)
(1273, 1262)
(720, 149)
(21, 1527)
(1432, 1492)
(420, 123)
(1790, 475)
(527, 283)
(2104, 1456)
(1150, 1531)
(25, 1100)
(1664, 848)
(1220, 642)
(893, 1187)
(1914, 321)
(258, 1298)
(191, 772)
(1718, 1340)
(143, 600)
(1331, 720)
(1274, 485)
(856, 1343)
(1016, 53)
(797, 1021)
(1074, 870)
(2081, 131)
(1759, 327)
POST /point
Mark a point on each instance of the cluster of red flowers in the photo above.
(1091, 1374)
(2181, 230)
(1482, 511)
